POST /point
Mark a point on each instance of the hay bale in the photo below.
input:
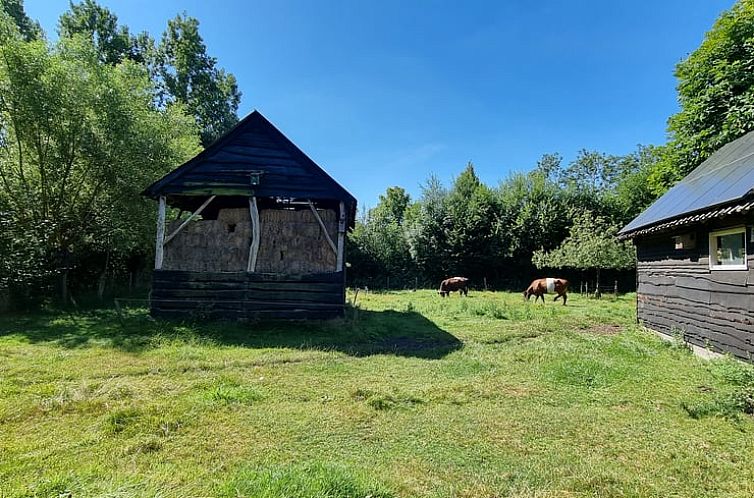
(211, 245)
(291, 242)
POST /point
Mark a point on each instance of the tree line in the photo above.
(89, 120)
(86, 123)
(561, 216)
(555, 216)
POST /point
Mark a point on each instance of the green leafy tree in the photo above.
(113, 42)
(190, 76)
(472, 227)
(633, 191)
(379, 248)
(591, 245)
(716, 96)
(549, 165)
(81, 139)
(426, 231)
(591, 172)
(28, 28)
(393, 205)
(534, 214)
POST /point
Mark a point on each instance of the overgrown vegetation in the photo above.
(480, 396)
(86, 123)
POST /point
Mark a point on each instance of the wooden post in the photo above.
(341, 237)
(255, 234)
(159, 243)
(186, 221)
(324, 228)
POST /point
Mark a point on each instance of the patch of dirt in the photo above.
(603, 329)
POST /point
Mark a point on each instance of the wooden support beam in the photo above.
(187, 220)
(160, 234)
(255, 235)
(339, 265)
(324, 228)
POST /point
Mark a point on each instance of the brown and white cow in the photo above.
(542, 286)
(460, 284)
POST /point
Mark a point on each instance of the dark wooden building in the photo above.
(260, 231)
(695, 249)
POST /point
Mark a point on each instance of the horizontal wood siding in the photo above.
(679, 295)
(241, 295)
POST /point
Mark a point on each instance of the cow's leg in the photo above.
(556, 297)
(565, 298)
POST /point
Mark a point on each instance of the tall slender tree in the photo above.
(190, 76)
(99, 24)
(27, 27)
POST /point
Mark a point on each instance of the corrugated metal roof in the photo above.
(726, 176)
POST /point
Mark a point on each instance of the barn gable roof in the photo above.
(252, 148)
(724, 181)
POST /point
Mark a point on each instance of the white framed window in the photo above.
(727, 249)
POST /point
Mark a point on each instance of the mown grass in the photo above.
(410, 395)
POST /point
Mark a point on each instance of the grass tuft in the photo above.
(229, 392)
(119, 420)
(310, 480)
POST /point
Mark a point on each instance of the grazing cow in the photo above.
(460, 284)
(543, 286)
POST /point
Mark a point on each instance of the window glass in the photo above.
(731, 249)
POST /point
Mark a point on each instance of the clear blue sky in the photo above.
(386, 93)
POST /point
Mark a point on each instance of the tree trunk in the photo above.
(597, 292)
(103, 278)
(64, 287)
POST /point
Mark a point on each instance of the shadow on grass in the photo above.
(407, 334)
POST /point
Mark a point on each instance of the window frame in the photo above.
(713, 263)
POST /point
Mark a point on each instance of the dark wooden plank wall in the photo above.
(679, 294)
(241, 295)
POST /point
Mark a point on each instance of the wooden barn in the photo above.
(695, 248)
(260, 231)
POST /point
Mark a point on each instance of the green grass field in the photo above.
(485, 396)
